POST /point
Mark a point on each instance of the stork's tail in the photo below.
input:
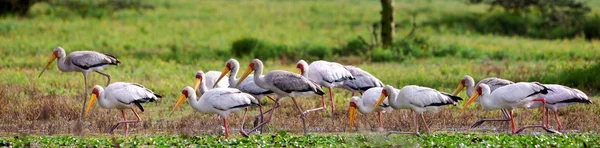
(453, 97)
(114, 60)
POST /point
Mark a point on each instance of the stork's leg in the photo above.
(416, 122)
(243, 121)
(111, 130)
(352, 94)
(265, 122)
(317, 109)
(542, 125)
(425, 123)
(332, 105)
(126, 124)
(106, 75)
(547, 124)
(512, 122)
(380, 123)
(301, 114)
(557, 120)
(84, 95)
(261, 113)
(506, 119)
(269, 110)
(361, 93)
(226, 128)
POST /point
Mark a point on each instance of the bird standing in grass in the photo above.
(366, 105)
(122, 96)
(84, 62)
(559, 97)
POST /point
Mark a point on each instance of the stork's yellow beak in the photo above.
(223, 73)
(49, 62)
(299, 71)
(248, 71)
(471, 100)
(381, 99)
(351, 113)
(179, 102)
(89, 106)
(459, 88)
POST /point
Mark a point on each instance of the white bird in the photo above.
(418, 99)
(560, 96)
(510, 97)
(493, 82)
(248, 86)
(221, 101)
(327, 74)
(283, 84)
(122, 96)
(362, 81)
(84, 62)
(366, 105)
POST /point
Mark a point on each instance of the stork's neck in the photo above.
(470, 90)
(362, 108)
(233, 74)
(393, 99)
(485, 99)
(202, 88)
(60, 62)
(102, 101)
(258, 77)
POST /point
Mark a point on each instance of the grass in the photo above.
(162, 48)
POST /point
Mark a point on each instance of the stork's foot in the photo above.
(476, 124)
(550, 130)
(112, 129)
(243, 133)
(396, 132)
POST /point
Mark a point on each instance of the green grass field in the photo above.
(163, 47)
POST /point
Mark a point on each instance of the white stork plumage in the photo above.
(560, 96)
(220, 101)
(248, 86)
(362, 82)
(212, 79)
(122, 96)
(84, 62)
(283, 84)
(366, 105)
(327, 74)
(418, 99)
(493, 82)
(510, 97)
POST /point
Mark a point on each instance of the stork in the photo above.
(366, 105)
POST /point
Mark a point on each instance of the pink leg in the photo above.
(317, 109)
(244, 121)
(125, 122)
(534, 126)
(425, 123)
(332, 106)
(512, 122)
(226, 128)
(379, 118)
(416, 122)
(557, 120)
(264, 122)
(547, 124)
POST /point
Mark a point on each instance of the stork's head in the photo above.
(199, 78)
(301, 67)
(352, 110)
(95, 94)
(385, 92)
(185, 93)
(231, 64)
(482, 89)
(466, 81)
(255, 64)
(58, 52)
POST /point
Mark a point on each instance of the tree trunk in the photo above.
(387, 22)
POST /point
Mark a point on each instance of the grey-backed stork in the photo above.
(362, 82)
(84, 62)
(283, 84)
(493, 82)
(418, 99)
(122, 96)
(560, 96)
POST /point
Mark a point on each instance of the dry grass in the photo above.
(31, 113)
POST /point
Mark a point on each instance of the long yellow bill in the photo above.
(299, 71)
(223, 73)
(179, 102)
(381, 99)
(198, 80)
(89, 106)
(352, 113)
(248, 71)
(471, 100)
(49, 62)
(459, 88)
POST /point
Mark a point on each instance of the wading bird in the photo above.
(283, 84)
(418, 99)
(493, 82)
(362, 82)
(248, 86)
(221, 101)
(510, 97)
(366, 105)
(122, 96)
(84, 62)
(327, 74)
(559, 97)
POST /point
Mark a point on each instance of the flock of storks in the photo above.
(223, 95)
